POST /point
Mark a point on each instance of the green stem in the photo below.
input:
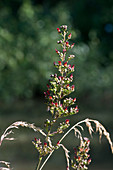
(40, 159)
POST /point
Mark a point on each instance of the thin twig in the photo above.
(46, 159)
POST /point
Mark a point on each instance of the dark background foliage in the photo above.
(28, 38)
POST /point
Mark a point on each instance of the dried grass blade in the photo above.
(7, 164)
(16, 125)
(66, 154)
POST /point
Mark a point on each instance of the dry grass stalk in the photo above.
(66, 154)
(16, 125)
(78, 135)
(99, 128)
(7, 164)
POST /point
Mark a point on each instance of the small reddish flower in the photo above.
(79, 158)
(45, 144)
(72, 68)
(74, 100)
(35, 139)
(88, 142)
(81, 149)
(52, 103)
(58, 142)
(67, 44)
(69, 36)
(72, 45)
(67, 121)
(50, 97)
(71, 76)
(87, 150)
(64, 50)
(65, 109)
(69, 66)
(65, 64)
(76, 108)
(60, 105)
(72, 87)
(57, 51)
(60, 63)
(59, 31)
(89, 161)
(67, 86)
(56, 104)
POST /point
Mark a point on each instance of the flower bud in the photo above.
(64, 27)
(76, 108)
(45, 144)
(64, 50)
(67, 86)
(60, 63)
(65, 109)
(72, 45)
(65, 64)
(69, 36)
(87, 150)
(56, 104)
(35, 139)
(67, 121)
(57, 51)
(59, 42)
(89, 161)
(59, 31)
(72, 87)
(79, 158)
(58, 143)
(50, 97)
(71, 76)
(72, 68)
(74, 100)
(67, 44)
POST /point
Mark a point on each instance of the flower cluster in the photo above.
(81, 157)
(63, 126)
(43, 149)
(59, 85)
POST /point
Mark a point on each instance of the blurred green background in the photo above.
(28, 38)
